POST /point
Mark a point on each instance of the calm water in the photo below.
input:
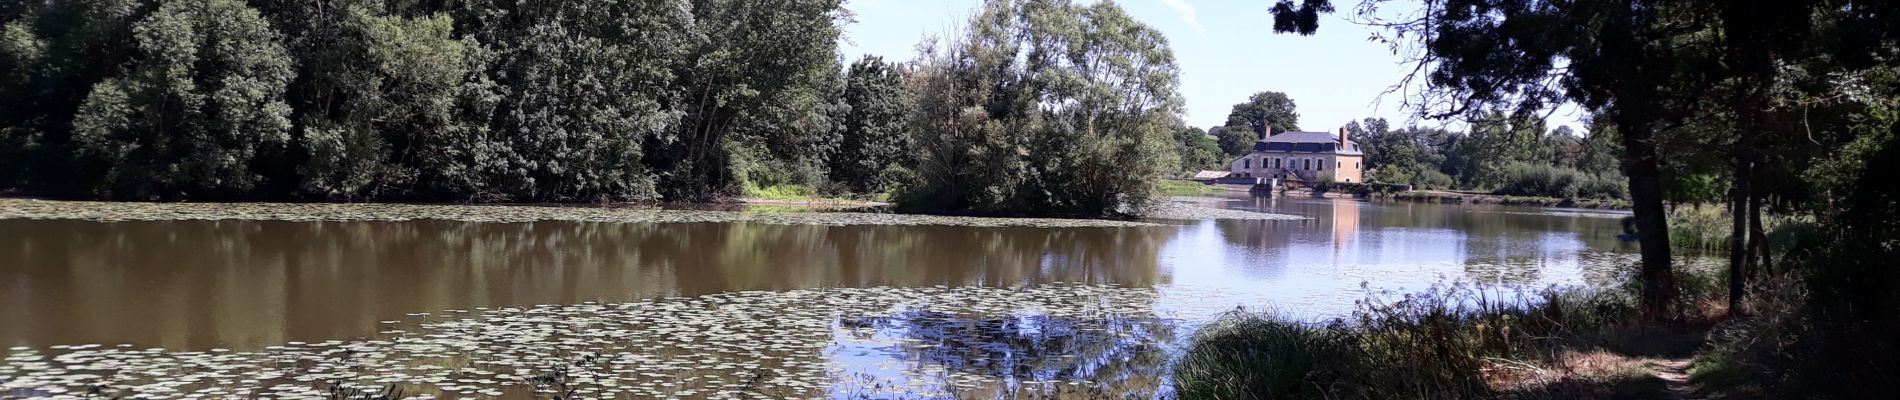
(195, 285)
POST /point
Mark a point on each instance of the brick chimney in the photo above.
(1345, 143)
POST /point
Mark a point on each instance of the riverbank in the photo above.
(1461, 341)
(1450, 197)
(18, 208)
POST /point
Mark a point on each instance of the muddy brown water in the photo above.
(198, 285)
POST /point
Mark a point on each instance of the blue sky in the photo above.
(1226, 49)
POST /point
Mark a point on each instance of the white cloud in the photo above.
(1187, 15)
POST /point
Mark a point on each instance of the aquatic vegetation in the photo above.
(930, 341)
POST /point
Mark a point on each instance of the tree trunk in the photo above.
(1738, 232)
(1759, 235)
(1652, 224)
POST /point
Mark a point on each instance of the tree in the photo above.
(388, 106)
(1235, 141)
(1265, 114)
(1198, 151)
(54, 53)
(1636, 62)
(876, 140)
(1026, 113)
(751, 70)
(201, 103)
(588, 90)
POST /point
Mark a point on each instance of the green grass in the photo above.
(1173, 187)
(796, 193)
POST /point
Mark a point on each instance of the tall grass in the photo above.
(1707, 228)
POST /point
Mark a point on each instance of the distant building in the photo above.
(1303, 157)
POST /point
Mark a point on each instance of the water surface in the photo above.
(195, 285)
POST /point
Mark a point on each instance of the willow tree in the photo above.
(1046, 107)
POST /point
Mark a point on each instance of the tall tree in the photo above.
(753, 67)
(875, 138)
(204, 99)
(1265, 114)
(1085, 89)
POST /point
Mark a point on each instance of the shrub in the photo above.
(1522, 179)
(1246, 355)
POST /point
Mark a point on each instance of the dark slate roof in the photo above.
(1303, 137)
(1305, 142)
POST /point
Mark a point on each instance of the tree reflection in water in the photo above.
(1022, 354)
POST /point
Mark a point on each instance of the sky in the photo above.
(1226, 50)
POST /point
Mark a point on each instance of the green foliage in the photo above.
(1265, 114)
(391, 106)
(874, 128)
(1183, 188)
(1020, 116)
(1444, 343)
(1523, 179)
(1235, 141)
(202, 102)
(459, 101)
(751, 73)
(1198, 151)
(1245, 355)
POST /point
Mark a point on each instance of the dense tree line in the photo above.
(396, 100)
(1512, 156)
(1505, 154)
(617, 100)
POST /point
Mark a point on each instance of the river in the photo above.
(862, 307)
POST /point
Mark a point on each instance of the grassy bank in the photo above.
(1444, 197)
(1172, 187)
(801, 194)
(1454, 342)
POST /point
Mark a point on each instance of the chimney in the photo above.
(1345, 143)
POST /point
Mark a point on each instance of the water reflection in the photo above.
(195, 285)
(249, 284)
(1008, 355)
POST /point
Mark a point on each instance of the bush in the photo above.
(993, 140)
(1247, 355)
(1521, 179)
(1451, 341)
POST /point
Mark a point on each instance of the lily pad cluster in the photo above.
(855, 342)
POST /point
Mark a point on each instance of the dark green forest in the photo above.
(598, 101)
(404, 100)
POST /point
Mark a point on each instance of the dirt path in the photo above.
(1675, 374)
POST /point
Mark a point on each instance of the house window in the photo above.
(1355, 165)
(1306, 164)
